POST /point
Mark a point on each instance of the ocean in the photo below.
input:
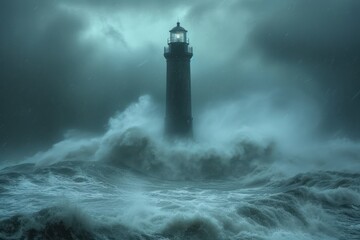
(230, 182)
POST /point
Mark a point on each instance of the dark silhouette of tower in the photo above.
(178, 120)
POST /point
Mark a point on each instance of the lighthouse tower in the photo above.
(178, 119)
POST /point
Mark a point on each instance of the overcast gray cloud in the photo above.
(72, 64)
(321, 39)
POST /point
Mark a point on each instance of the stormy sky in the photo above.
(73, 64)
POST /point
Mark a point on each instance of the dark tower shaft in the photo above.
(178, 120)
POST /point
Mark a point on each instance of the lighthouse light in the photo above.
(177, 37)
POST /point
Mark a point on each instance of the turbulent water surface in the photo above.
(131, 184)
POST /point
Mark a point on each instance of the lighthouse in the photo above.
(178, 118)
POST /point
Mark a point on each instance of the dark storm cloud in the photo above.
(37, 55)
(322, 39)
(72, 64)
(43, 74)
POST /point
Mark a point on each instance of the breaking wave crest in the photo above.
(134, 140)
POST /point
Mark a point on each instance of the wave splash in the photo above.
(262, 147)
(134, 140)
(232, 185)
